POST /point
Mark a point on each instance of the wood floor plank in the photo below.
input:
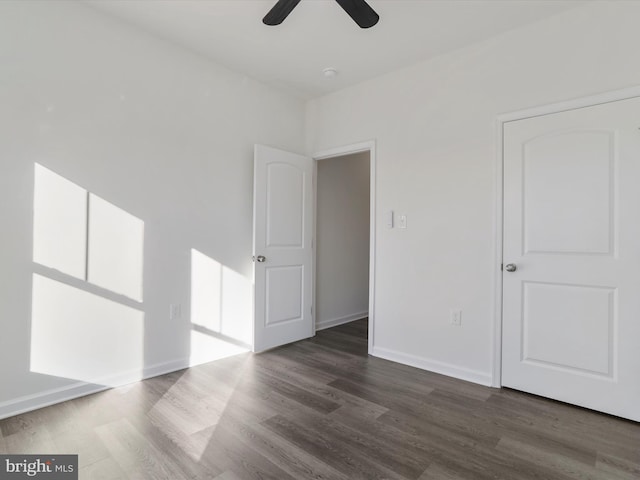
(557, 462)
(286, 455)
(181, 449)
(338, 398)
(616, 467)
(329, 450)
(387, 396)
(30, 441)
(245, 460)
(228, 475)
(135, 454)
(343, 424)
(286, 363)
(300, 395)
(392, 456)
(105, 469)
(86, 444)
(585, 429)
(482, 416)
(438, 472)
(443, 448)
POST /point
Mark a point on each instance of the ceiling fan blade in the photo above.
(360, 11)
(279, 12)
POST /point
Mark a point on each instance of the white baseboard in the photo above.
(334, 322)
(80, 389)
(436, 366)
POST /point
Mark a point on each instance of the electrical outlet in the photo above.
(456, 317)
(175, 311)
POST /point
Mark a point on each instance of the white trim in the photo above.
(475, 376)
(345, 150)
(573, 104)
(52, 396)
(314, 249)
(46, 398)
(496, 366)
(369, 146)
(334, 322)
(372, 242)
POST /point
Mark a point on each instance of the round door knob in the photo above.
(261, 258)
(510, 267)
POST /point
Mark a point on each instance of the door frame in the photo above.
(572, 104)
(367, 146)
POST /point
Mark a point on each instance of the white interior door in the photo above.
(282, 235)
(571, 313)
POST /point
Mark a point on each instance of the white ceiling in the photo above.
(319, 34)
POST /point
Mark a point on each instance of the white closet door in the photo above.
(571, 313)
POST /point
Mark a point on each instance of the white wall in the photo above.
(435, 128)
(161, 134)
(342, 239)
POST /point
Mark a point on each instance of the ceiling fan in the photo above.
(359, 10)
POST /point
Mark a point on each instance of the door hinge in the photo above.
(502, 266)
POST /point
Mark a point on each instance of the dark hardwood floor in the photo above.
(323, 409)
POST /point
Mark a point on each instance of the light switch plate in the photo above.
(402, 221)
(389, 219)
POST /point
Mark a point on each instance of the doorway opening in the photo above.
(344, 239)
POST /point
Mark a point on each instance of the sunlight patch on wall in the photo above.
(59, 223)
(75, 333)
(237, 306)
(221, 310)
(82, 336)
(206, 291)
(116, 243)
(83, 235)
